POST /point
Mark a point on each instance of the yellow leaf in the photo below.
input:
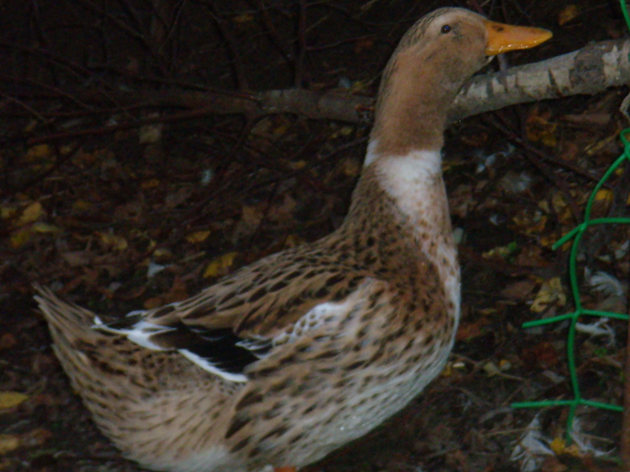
(346, 131)
(81, 206)
(66, 149)
(20, 238)
(358, 87)
(150, 134)
(573, 450)
(488, 311)
(605, 195)
(537, 227)
(292, 241)
(197, 237)
(31, 126)
(550, 293)
(350, 167)
(41, 227)
(31, 213)
(531, 222)
(38, 151)
(558, 445)
(500, 251)
(491, 369)
(220, 265)
(447, 371)
(11, 399)
(540, 129)
(280, 130)
(297, 165)
(244, 18)
(150, 184)
(8, 443)
(7, 211)
(161, 252)
(118, 243)
(567, 14)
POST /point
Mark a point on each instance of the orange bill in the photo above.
(503, 38)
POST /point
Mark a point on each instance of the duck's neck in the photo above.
(404, 130)
(411, 111)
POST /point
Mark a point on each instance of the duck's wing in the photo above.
(246, 315)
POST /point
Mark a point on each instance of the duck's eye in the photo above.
(446, 29)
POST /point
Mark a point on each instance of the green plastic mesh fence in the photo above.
(576, 234)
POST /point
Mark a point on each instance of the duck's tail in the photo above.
(87, 355)
(137, 396)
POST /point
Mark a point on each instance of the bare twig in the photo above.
(239, 69)
(301, 44)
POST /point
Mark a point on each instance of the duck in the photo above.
(287, 359)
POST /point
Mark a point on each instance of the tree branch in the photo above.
(589, 70)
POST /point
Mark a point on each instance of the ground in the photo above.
(139, 217)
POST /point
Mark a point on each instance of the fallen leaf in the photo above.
(8, 443)
(551, 293)
(79, 206)
(540, 129)
(220, 266)
(252, 216)
(7, 341)
(197, 237)
(530, 221)
(150, 184)
(111, 241)
(38, 151)
(20, 238)
(177, 293)
(350, 167)
(78, 258)
(292, 241)
(7, 211)
(283, 211)
(491, 369)
(363, 44)
(552, 464)
(297, 165)
(540, 356)
(31, 213)
(531, 256)
(604, 195)
(34, 438)
(461, 200)
(468, 331)
(244, 18)
(149, 134)
(567, 14)
(501, 251)
(41, 227)
(558, 445)
(11, 399)
(162, 254)
(519, 290)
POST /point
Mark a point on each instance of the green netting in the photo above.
(576, 234)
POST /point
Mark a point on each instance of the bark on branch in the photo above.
(589, 70)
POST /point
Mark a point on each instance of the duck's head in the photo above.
(431, 63)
